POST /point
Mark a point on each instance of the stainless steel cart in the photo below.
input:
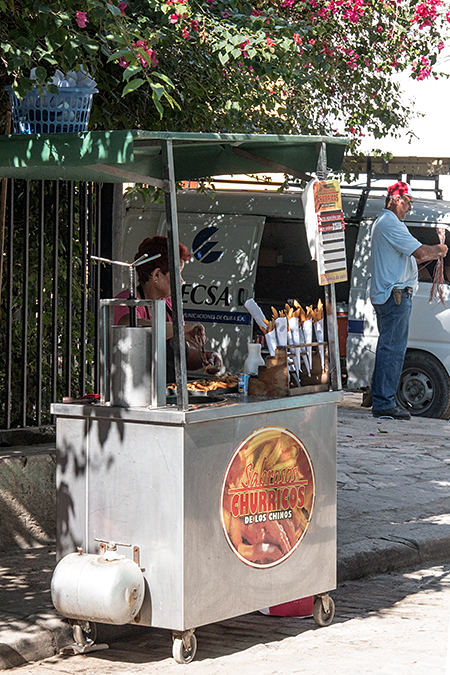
(150, 483)
(179, 515)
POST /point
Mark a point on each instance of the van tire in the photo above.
(424, 387)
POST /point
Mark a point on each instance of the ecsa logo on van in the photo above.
(202, 246)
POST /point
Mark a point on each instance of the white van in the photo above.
(253, 244)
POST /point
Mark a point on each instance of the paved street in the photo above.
(393, 624)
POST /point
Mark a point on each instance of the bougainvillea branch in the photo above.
(281, 66)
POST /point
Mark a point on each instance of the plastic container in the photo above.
(46, 113)
(342, 327)
(300, 608)
(254, 359)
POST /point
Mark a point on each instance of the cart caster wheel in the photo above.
(184, 646)
(323, 612)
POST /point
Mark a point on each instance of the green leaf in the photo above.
(41, 73)
(70, 54)
(115, 11)
(223, 58)
(119, 53)
(131, 71)
(158, 89)
(158, 105)
(91, 47)
(164, 78)
(132, 86)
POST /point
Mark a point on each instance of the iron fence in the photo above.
(49, 298)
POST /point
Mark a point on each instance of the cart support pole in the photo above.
(330, 297)
(335, 362)
(175, 274)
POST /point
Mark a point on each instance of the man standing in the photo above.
(394, 281)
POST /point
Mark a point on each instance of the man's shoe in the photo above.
(391, 414)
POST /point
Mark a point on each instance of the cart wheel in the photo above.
(323, 610)
(184, 648)
(84, 632)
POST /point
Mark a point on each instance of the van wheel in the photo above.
(424, 387)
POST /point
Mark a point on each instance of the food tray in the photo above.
(202, 397)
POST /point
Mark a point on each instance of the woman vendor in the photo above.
(154, 284)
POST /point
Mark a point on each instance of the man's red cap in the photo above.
(399, 188)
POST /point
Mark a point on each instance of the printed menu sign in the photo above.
(268, 497)
(325, 227)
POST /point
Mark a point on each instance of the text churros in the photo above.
(267, 497)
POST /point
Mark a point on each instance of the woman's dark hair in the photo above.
(152, 246)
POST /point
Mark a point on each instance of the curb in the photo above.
(35, 637)
(384, 555)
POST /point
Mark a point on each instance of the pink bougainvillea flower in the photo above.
(270, 42)
(185, 34)
(426, 13)
(175, 17)
(441, 46)
(424, 73)
(298, 39)
(122, 7)
(287, 3)
(257, 12)
(123, 62)
(151, 53)
(195, 25)
(82, 19)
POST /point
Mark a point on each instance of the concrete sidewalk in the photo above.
(393, 512)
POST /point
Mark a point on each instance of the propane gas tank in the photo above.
(92, 588)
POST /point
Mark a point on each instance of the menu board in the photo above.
(325, 223)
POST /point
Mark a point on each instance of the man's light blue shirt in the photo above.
(392, 263)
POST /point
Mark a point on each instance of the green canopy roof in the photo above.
(136, 156)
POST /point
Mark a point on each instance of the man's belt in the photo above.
(408, 290)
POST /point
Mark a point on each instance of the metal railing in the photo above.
(49, 298)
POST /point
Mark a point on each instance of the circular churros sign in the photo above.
(268, 496)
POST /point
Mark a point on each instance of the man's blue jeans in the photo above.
(393, 327)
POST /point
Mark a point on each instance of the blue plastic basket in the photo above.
(46, 113)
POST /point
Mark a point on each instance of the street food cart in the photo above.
(176, 514)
